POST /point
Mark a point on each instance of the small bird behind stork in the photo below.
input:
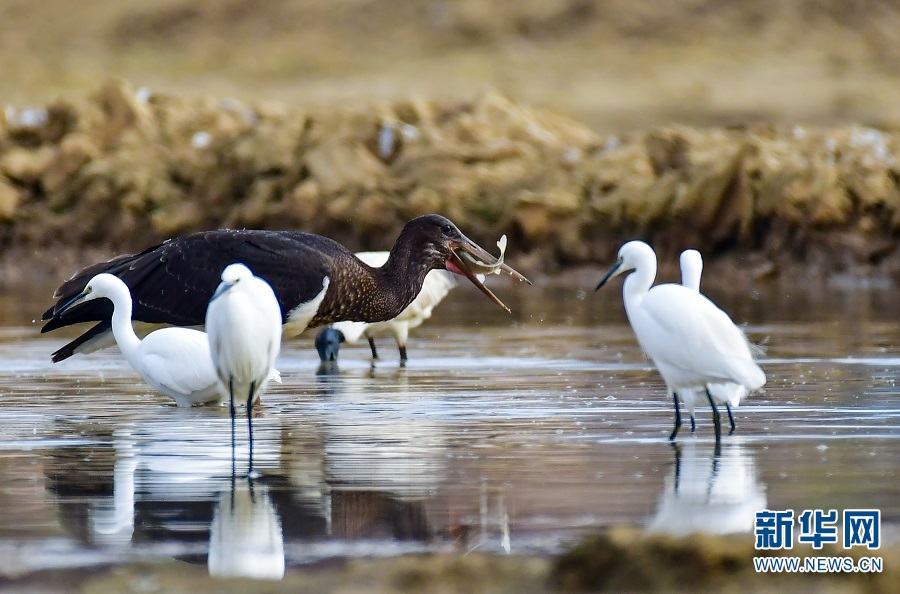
(691, 341)
(437, 284)
(175, 361)
(243, 321)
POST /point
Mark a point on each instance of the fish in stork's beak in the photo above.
(469, 259)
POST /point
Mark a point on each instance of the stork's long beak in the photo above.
(615, 271)
(71, 302)
(458, 265)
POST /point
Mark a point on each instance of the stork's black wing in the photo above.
(172, 283)
(69, 348)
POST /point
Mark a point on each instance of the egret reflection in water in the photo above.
(112, 520)
(161, 470)
(717, 494)
(170, 476)
(245, 538)
(173, 474)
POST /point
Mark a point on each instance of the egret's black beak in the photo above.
(220, 290)
(458, 265)
(71, 302)
(616, 269)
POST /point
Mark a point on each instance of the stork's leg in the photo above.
(372, 346)
(730, 417)
(677, 417)
(250, 424)
(402, 348)
(717, 422)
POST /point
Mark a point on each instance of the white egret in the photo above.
(692, 342)
(728, 394)
(175, 361)
(243, 321)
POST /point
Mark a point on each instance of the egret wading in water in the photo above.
(316, 280)
(243, 321)
(728, 394)
(175, 361)
(691, 341)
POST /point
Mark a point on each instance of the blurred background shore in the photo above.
(761, 133)
(615, 65)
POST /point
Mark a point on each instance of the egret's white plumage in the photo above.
(436, 286)
(175, 361)
(691, 341)
(728, 394)
(243, 321)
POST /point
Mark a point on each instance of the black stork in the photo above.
(317, 281)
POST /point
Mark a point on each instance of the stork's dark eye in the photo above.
(447, 230)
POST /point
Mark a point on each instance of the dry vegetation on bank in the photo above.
(123, 168)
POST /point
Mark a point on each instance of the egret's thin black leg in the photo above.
(693, 424)
(250, 424)
(730, 418)
(677, 417)
(716, 422)
(231, 403)
(372, 346)
(233, 462)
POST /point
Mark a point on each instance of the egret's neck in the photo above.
(637, 284)
(690, 277)
(122, 329)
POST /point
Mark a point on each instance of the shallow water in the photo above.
(504, 433)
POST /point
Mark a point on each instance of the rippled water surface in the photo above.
(505, 433)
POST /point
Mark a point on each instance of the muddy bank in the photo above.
(123, 168)
(616, 561)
